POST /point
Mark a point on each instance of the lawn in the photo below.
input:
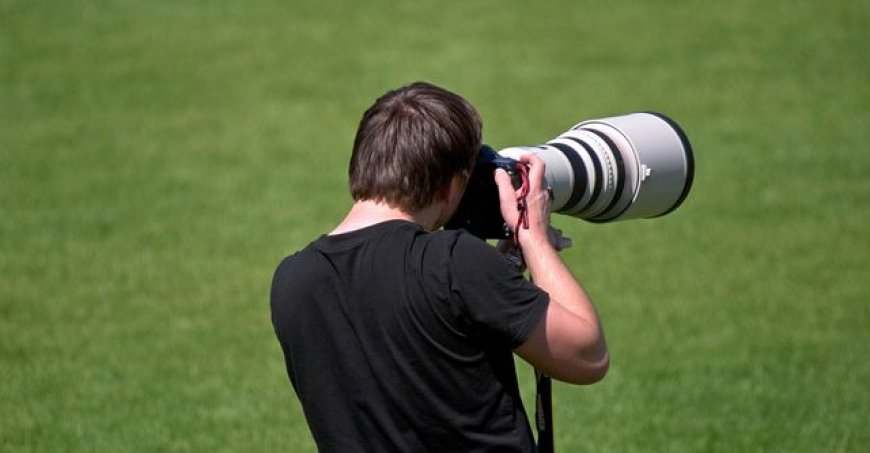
(157, 159)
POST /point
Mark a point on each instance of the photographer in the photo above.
(399, 336)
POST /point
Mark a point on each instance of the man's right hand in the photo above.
(568, 344)
(537, 202)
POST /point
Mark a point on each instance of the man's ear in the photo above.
(453, 191)
(445, 192)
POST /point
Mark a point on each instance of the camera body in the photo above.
(479, 210)
(639, 165)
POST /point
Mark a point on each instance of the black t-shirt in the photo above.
(396, 339)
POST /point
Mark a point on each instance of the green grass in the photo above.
(158, 158)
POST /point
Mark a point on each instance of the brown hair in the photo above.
(411, 143)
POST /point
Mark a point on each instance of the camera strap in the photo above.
(544, 412)
(522, 206)
(543, 383)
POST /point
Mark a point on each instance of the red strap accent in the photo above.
(522, 207)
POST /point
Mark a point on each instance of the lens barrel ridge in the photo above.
(605, 187)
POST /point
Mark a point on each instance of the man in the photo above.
(398, 336)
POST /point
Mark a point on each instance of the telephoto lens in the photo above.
(638, 165)
(632, 166)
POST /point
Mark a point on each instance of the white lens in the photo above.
(631, 166)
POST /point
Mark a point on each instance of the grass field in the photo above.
(158, 158)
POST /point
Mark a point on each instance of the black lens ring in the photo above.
(620, 176)
(581, 179)
(599, 173)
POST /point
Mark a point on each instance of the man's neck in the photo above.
(366, 213)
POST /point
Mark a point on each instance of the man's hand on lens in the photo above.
(536, 205)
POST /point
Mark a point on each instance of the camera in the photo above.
(638, 165)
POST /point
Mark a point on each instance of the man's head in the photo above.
(411, 144)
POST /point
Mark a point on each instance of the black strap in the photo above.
(544, 412)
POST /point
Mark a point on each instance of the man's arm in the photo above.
(568, 343)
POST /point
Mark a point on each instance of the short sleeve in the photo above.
(501, 304)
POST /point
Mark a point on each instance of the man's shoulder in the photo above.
(467, 246)
(460, 244)
(303, 254)
(453, 248)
